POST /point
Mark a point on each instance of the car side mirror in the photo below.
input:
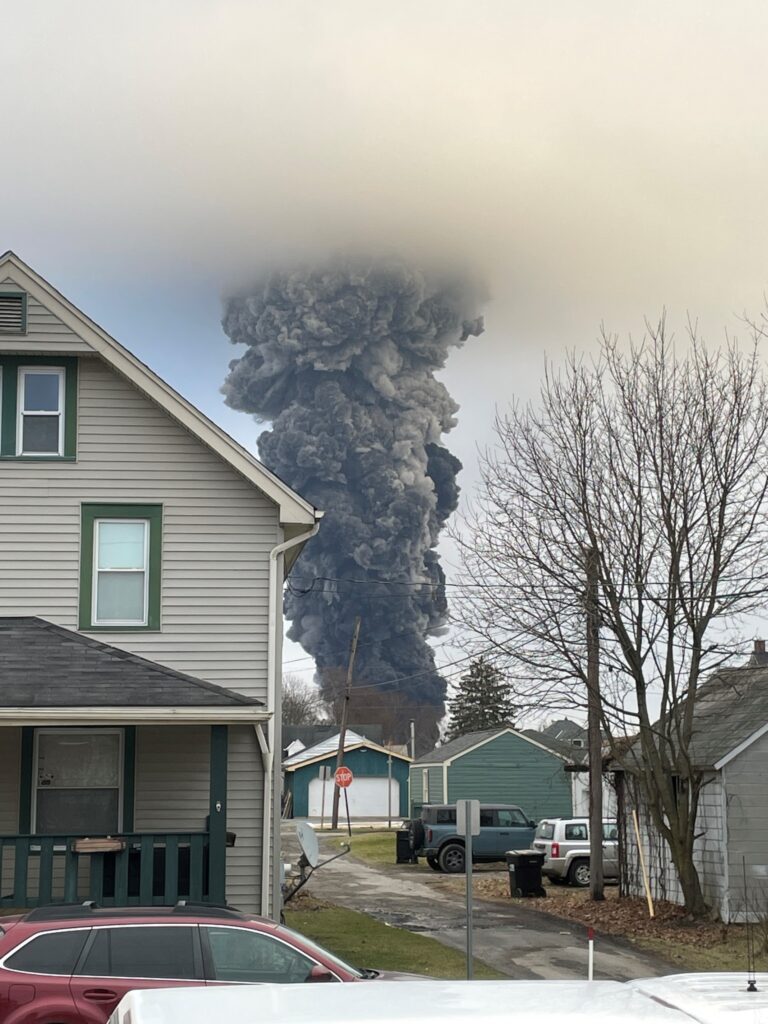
(531, 823)
(320, 973)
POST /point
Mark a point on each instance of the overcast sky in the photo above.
(595, 161)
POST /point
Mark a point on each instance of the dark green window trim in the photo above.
(90, 513)
(23, 297)
(9, 365)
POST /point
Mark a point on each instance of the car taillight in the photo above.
(429, 835)
(555, 851)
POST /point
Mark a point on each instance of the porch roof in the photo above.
(45, 668)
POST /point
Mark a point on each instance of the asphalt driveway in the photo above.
(520, 942)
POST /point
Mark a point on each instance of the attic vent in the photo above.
(577, 743)
(12, 310)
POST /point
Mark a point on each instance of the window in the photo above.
(487, 819)
(546, 830)
(446, 816)
(120, 572)
(120, 567)
(150, 951)
(610, 831)
(509, 818)
(576, 832)
(77, 781)
(40, 428)
(38, 407)
(50, 953)
(237, 954)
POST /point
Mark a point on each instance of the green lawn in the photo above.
(728, 955)
(374, 847)
(366, 942)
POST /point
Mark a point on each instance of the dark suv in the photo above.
(73, 964)
(502, 827)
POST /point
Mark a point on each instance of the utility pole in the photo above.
(413, 739)
(594, 739)
(344, 714)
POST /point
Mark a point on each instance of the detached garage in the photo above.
(379, 788)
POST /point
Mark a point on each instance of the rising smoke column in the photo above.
(341, 359)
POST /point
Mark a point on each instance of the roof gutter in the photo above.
(270, 833)
(132, 715)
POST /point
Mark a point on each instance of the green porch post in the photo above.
(217, 816)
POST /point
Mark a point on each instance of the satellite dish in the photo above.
(308, 843)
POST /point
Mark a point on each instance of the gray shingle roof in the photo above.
(461, 743)
(730, 707)
(43, 665)
(558, 746)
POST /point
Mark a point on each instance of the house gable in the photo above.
(57, 318)
(511, 769)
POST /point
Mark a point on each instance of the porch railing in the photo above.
(145, 869)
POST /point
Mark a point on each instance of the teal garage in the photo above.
(379, 789)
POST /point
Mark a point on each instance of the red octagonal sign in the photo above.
(343, 777)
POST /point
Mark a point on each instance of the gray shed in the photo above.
(730, 747)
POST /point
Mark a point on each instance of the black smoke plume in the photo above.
(341, 359)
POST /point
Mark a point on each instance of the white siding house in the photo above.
(91, 441)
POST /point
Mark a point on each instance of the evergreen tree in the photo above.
(483, 700)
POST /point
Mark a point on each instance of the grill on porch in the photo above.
(132, 869)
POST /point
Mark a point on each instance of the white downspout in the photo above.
(271, 794)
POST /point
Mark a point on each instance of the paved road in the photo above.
(521, 943)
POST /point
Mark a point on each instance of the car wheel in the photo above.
(434, 863)
(579, 873)
(451, 859)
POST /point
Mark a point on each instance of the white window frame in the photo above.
(95, 572)
(119, 732)
(21, 413)
(425, 785)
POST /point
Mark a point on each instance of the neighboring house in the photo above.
(142, 554)
(380, 780)
(494, 766)
(730, 748)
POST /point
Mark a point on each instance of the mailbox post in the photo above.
(468, 825)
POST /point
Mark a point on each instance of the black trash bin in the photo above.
(404, 853)
(524, 868)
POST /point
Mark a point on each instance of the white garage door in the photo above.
(368, 798)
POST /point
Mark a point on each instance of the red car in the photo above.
(72, 965)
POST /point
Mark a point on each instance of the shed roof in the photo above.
(470, 740)
(731, 712)
(46, 666)
(329, 746)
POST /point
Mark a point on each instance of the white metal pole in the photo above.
(468, 873)
(591, 968)
(389, 792)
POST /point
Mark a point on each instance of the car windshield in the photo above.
(321, 952)
(545, 830)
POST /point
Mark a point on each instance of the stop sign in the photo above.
(343, 777)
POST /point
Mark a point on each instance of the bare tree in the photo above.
(302, 703)
(658, 464)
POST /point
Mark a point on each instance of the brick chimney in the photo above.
(759, 647)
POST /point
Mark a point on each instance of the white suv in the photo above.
(565, 845)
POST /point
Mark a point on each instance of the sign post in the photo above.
(343, 777)
(325, 774)
(468, 825)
